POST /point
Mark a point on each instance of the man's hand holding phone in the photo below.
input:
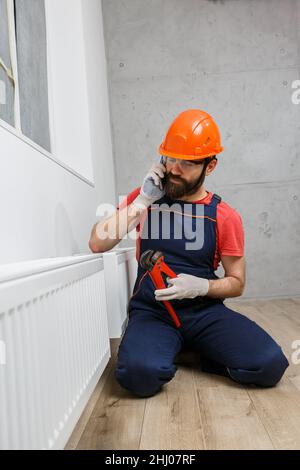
(152, 187)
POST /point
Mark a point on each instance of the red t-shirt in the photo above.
(229, 233)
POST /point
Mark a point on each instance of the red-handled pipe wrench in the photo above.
(153, 262)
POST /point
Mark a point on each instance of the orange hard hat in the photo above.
(193, 135)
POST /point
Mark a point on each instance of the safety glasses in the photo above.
(184, 164)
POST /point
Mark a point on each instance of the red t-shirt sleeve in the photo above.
(231, 235)
(129, 198)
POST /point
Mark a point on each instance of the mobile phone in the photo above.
(163, 160)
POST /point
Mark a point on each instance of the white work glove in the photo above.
(152, 187)
(184, 286)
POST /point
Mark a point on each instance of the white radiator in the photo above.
(55, 346)
(120, 273)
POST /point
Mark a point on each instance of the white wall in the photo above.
(47, 210)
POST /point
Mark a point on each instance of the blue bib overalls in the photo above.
(228, 343)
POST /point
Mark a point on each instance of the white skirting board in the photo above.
(54, 347)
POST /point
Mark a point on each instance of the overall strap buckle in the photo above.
(215, 200)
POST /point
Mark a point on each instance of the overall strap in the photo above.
(215, 200)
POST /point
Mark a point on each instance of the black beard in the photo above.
(183, 187)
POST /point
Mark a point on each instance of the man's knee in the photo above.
(272, 369)
(143, 379)
(266, 373)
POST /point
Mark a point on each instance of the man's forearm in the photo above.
(120, 223)
(226, 287)
(108, 233)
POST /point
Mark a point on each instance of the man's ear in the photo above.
(211, 166)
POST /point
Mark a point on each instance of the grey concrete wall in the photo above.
(236, 59)
(32, 70)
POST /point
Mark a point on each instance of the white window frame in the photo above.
(16, 130)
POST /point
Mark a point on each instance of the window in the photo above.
(6, 78)
(23, 69)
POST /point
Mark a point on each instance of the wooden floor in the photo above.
(197, 410)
